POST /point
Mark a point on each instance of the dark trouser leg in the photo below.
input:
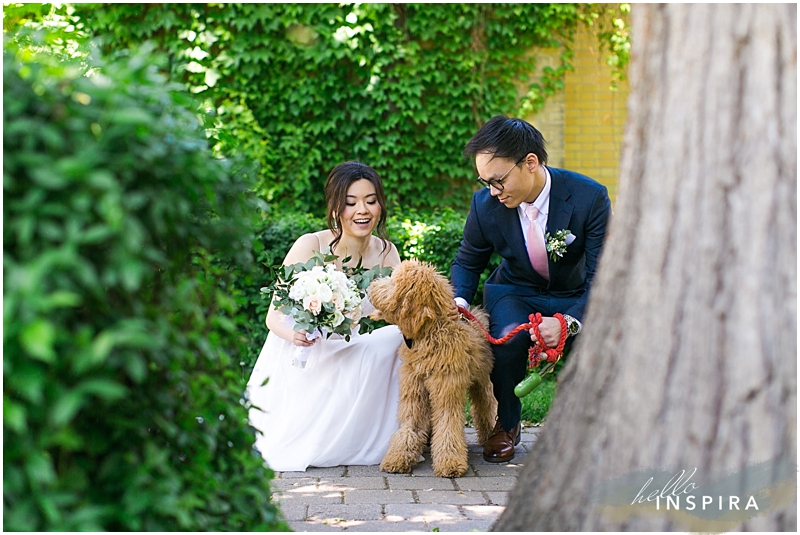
(511, 358)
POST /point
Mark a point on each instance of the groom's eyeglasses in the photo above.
(497, 183)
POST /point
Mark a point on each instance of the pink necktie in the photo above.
(536, 251)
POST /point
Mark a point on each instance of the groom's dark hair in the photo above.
(509, 138)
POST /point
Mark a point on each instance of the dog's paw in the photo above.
(395, 466)
(450, 469)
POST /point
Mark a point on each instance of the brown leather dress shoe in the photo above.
(499, 448)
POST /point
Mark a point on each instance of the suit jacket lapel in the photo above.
(560, 212)
(560, 208)
(508, 223)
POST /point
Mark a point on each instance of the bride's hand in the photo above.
(299, 339)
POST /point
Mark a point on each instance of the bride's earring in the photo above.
(335, 225)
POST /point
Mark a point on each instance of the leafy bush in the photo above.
(122, 404)
(434, 237)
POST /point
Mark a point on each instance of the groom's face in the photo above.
(517, 183)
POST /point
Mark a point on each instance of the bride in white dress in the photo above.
(341, 408)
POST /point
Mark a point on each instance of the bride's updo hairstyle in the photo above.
(339, 181)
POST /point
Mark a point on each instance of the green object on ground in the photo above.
(527, 385)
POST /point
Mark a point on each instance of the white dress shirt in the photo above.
(542, 203)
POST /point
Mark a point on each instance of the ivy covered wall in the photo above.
(302, 87)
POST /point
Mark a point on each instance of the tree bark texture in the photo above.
(688, 357)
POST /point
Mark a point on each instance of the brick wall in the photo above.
(584, 124)
(594, 116)
(551, 120)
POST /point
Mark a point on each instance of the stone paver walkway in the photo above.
(362, 498)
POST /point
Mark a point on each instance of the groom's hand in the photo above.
(550, 329)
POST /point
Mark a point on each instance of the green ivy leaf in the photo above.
(103, 388)
(37, 339)
(14, 415)
(65, 407)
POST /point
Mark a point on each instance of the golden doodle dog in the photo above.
(446, 359)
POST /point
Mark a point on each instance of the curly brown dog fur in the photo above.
(447, 359)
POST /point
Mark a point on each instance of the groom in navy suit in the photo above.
(525, 202)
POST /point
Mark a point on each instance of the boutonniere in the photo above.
(557, 244)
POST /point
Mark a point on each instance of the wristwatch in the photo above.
(573, 326)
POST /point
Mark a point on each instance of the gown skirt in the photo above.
(340, 409)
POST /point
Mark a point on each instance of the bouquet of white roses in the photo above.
(320, 298)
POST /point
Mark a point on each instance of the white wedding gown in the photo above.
(341, 409)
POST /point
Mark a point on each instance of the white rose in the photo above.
(297, 292)
(312, 286)
(324, 292)
(339, 280)
(338, 318)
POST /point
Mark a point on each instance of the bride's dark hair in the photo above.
(339, 180)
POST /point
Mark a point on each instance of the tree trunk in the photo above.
(688, 356)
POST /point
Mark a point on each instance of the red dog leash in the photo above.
(553, 353)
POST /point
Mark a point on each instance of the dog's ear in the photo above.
(381, 295)
(414, 320)
(422, 295)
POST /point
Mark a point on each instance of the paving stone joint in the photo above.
(362, 498)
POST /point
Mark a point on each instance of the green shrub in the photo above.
(434, 237)
(536, 405)
(122, 403)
